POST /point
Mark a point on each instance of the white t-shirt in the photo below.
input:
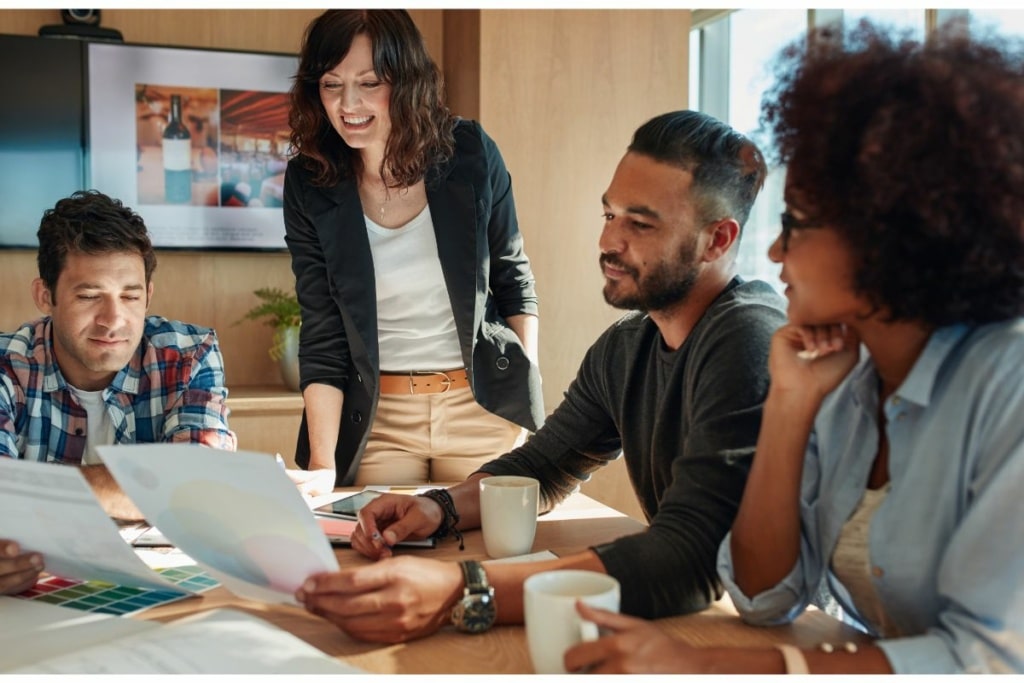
(99, 426)
(415, 323)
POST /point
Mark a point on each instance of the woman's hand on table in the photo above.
(313, 482)
(631, 646)
(391, 601)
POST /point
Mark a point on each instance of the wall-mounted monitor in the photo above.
(196, 141)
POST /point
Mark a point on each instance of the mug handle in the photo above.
(589, 631)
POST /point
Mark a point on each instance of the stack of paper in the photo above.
(44, 639)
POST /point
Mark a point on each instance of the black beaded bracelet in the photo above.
(451, 517)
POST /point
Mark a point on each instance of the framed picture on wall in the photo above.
(196, 141)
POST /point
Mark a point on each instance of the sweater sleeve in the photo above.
(579, 437)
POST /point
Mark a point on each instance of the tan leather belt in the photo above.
(423, 382)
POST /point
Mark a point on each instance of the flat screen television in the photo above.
(196, 141)
(79, 115)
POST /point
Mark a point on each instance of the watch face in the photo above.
(475, 613)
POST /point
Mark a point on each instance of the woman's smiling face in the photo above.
(357, 102)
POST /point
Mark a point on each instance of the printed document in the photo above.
(237, 514)
(50, 509)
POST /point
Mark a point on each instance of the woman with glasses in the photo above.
(891, 454)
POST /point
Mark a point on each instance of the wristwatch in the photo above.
(475, 611)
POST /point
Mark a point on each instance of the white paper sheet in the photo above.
(50, 509)
(32, 631)
(236, 513)
(219, 641)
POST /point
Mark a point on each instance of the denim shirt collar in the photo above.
(920, 382)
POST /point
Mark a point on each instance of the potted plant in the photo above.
(280, 310)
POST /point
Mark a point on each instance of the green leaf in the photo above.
(279, 309)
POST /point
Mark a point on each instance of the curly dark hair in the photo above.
(421, 124)
(914, 154)
(90, 222)
(728, 169)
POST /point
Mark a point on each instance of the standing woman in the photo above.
(890, 461)
(419, 318)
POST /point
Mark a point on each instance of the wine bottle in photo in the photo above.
(177, 146)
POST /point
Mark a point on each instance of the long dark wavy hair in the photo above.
(914, 154)
(421, 124)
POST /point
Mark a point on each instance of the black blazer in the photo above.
(485, 269)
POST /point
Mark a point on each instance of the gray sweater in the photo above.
(686, 422)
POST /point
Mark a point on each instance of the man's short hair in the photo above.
(90, 222)
(728, 169)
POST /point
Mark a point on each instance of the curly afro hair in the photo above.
(914, 153)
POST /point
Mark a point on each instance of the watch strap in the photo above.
(476, 577)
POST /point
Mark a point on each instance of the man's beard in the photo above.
(664, 287)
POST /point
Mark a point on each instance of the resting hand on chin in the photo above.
(816, 358)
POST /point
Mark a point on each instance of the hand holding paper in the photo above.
(236, 513)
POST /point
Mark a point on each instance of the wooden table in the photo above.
(576, 524)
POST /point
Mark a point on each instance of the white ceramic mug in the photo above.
(508, 514)
(552, 623)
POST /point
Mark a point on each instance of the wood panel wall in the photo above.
(561, 92)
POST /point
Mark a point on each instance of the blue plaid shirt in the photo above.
(172, 390)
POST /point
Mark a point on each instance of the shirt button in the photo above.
(895, 400)
(878, 572)
(901, 416)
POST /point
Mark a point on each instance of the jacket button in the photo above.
(357, 417)
(79, 431)
(359, 378)
(501, 363)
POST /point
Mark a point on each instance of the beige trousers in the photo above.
(422, 438)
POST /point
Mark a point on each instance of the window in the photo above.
(1006, 21)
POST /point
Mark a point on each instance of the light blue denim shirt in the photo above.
(947, 544)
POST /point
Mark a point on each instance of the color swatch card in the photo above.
(106, 598)
(50, 509)
(237, 514)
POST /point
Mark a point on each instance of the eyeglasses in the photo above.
(790, 223)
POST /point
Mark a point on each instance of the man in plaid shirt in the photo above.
(96, 370)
